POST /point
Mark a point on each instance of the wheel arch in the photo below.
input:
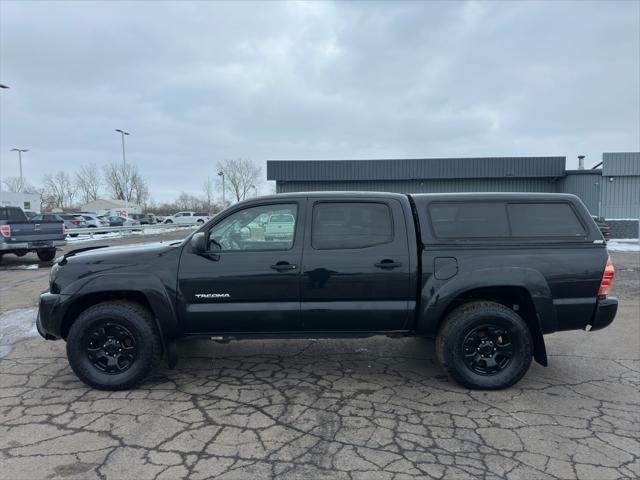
(523, 290)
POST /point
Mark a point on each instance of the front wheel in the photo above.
(46, 255)
(168, 221)
(113, 345)
(485, 345)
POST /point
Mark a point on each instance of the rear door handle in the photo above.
(283, 266)
(388, 264)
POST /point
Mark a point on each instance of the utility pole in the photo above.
(124, 173)
(224, 203)
(20, 152)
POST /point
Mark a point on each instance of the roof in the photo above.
(416, 168)
(617, 164)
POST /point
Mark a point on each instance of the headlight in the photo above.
(53, 273)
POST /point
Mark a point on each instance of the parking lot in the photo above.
(340, 409)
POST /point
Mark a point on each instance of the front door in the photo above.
(248, 281)
(356, 272)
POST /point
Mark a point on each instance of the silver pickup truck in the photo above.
(19, 236)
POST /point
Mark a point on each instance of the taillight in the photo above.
(607, 279)
(5, 230)
(74, 221)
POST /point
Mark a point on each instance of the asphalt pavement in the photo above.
(333, 409)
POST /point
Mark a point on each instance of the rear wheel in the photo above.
(74, 235)
(485, 345)
(46, 255)
(20, 253)
(113, 345)
(168, 221)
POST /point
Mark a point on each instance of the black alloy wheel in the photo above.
(111, 348)
(487, 349)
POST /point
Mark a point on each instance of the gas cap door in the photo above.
(445, 267)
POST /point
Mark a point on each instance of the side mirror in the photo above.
(199, 242)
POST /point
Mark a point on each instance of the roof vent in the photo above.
(580, 162)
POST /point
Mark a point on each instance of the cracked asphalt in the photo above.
(330, 409)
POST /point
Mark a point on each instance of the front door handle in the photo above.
(283, 266)
(388, 264)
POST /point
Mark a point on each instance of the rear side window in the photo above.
(469, 220)
(12, 214)
(340, 225)
(544, 220)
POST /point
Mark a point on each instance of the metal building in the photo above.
(612, 191)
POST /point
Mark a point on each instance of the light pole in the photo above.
(20, 152)
(224, 203)
(124, 173)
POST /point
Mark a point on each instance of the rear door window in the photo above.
(339, 225)
(469, 220)
(544, 220)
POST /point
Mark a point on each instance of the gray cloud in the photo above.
(198, 82)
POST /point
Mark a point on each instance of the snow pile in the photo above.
(16, 325)
(624, 245)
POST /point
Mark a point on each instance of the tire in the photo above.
(92, 226)
(20, 253)
(462, 331)
(46, 255)
(200, 222)
(74, 235)
(114, 316)
(168, 221)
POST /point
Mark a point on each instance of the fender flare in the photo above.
(150, 286)
(437, 297)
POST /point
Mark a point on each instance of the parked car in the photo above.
(71, 221)
(19, 235)
(605, 229)
(94, 221)
(144, 218)
(122, 222)
(279, 225)
(188, 218)
(486, 274)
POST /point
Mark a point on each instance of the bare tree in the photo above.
(240, 175)
(126, 183)
(207, 188)
(58, 190)
(11, 184)
(87, 182)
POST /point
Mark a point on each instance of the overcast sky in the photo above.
(199, 82)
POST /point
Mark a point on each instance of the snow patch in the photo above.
(16, 325)
(124, 234)
(624, 245)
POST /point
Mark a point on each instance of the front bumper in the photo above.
(49, 319)
(32, 245)
(605, 313)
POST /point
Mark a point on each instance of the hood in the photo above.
(129, 254)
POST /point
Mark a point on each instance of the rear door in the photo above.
(356, 272)
(247, 282)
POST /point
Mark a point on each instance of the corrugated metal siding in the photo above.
(586, 185)
(404, 169)
(621, 197)
(621, 164)
(425, 186)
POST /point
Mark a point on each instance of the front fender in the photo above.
(154, 290)
(437, 295)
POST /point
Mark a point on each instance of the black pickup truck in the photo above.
(487, 275)
(19, 235)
